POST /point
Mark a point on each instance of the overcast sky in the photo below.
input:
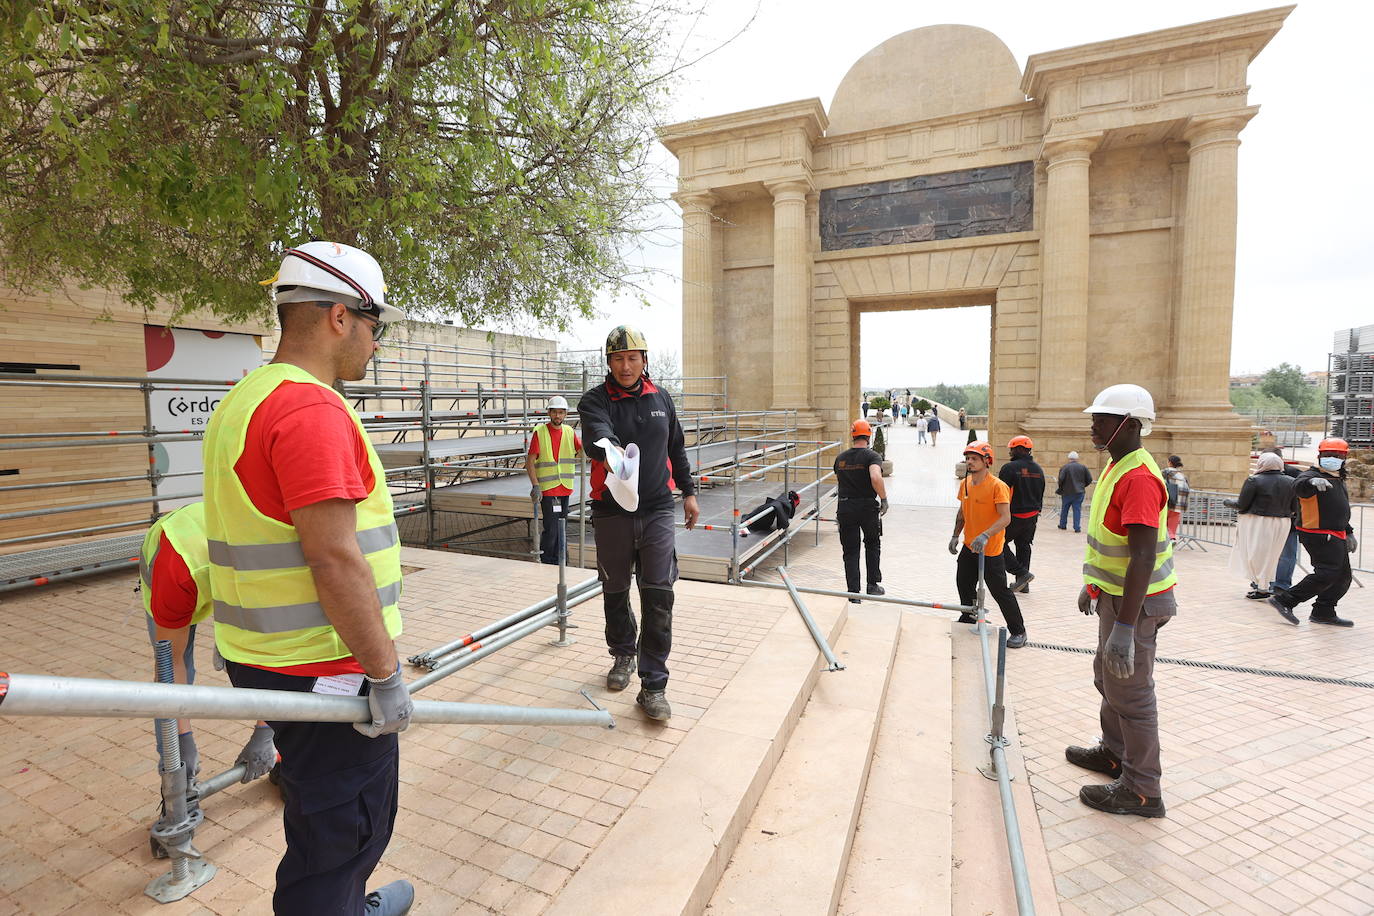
(1305, 265)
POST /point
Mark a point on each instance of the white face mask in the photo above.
(1331, 464)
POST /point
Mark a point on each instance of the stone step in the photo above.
(900, 861)
(666, 853)
(791, 859)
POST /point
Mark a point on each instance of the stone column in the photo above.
(791, 296)
(1208, 272)
(699, 326)
(1064, 274)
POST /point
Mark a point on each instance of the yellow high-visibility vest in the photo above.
(185, 530)
(1108, 554)
(267, 611)
(555, 471)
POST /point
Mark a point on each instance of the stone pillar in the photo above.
(699, 326)
(1208, 273)
(1064, 274)
(791, 296)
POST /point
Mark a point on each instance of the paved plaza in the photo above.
(1270, 805)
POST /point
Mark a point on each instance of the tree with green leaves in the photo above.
(1285, 381)
(487, 152)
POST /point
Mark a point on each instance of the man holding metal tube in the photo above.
(306, 575)
(633, 519)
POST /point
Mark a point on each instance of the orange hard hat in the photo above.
(1020, 442)
(981, 449)
(1334, 445)
(860, 428)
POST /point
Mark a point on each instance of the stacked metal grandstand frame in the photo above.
(1350, 387)
(487, 400)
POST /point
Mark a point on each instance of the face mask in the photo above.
(1331, 464)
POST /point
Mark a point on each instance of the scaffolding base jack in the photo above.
(168, 888)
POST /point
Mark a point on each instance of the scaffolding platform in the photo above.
(409, 454)
(29, 568)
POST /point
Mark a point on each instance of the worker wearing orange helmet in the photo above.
(863, 503)
(984, 512)
(1326, 534)
(1026, 480)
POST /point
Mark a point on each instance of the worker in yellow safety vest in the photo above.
(174, 583)
(305, 568)
(1129, 580)
(552, 469)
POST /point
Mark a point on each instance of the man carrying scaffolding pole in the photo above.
(306, 575)
(624, 419)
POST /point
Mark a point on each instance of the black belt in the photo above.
(869, 498)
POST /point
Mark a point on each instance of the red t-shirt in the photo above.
(174, 593)
(555, 440)
(1136, 500)
(303, 447)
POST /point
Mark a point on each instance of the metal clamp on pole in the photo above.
(177, 827)
(821, 643)
(995, 738)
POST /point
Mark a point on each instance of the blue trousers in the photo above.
(1076, 503)
(1288, 561)
(552, 537)
(340, 791)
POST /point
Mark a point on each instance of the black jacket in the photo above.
(1074, 478)
(648, 419)
(1027, 482)
(1268, 493)
(1322, 510)
(780, 518)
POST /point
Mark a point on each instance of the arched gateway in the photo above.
(1096, 192)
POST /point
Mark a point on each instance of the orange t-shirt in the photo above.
(980, 511)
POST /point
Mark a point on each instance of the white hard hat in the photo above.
(558, 402)
(1126, 401)
(337, 270)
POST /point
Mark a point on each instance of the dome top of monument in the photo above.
(926, 73)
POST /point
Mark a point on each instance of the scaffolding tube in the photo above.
(46, 695)
(815, 631)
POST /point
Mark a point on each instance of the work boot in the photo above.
(1330, 619)
(655, 704)
(875, 589)
(1284, 610)
(1096, 758)
(621, 671)
(1016, 641)
(855, 601)
(1022, 583)
(967, 618)
(1114, 798)
(392, 899)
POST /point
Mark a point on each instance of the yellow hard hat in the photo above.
(623, 337)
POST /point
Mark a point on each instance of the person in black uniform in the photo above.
(1026, 480)
(863, 502)
(629, 408)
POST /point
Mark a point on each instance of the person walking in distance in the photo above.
(1026, 480)
(1288, 558)
(922, 425)
(1128, 575)
(626, 416)
(1326, 534)
(305, 568)
(1074, 478)
(1176, 482)
(862, 504)
(174, 583)
(933, 426)
(552, 469)
(984, 512)
(1264, 517)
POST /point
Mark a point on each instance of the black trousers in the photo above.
(642, 547)
(553, 515)
(340, 790)
(1020, 536)
(1329, 579)
(966, 579)
(858, 518)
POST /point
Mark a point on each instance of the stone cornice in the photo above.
(1255, 29)
(962, 117)
(808, 114)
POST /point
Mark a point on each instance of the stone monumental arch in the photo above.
(1090, 201)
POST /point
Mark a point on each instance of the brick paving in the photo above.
(1271, 809)
(492, 820)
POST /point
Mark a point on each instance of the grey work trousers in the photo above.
(643, 547)
(1129, 715)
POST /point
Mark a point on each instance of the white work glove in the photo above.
(882, 506)
(1085, 602)
(1351, 544)
(390, 704)
(979, 543)
(258, 755)
(190, 756)
(535, 492)
(1118, 655)
(1321, 484)
(954, 545)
